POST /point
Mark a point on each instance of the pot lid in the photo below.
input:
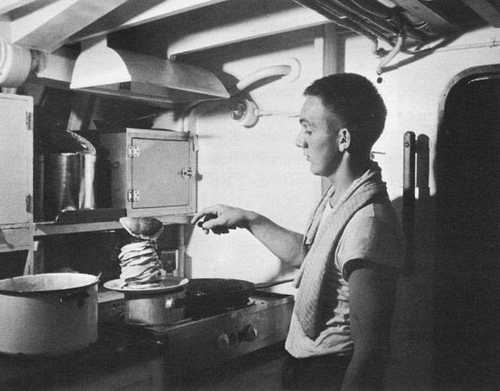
(65, 141)
(47, 283)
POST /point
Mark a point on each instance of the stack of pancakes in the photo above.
(139, 261)
(140, 265)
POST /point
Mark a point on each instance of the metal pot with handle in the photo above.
(48, 314)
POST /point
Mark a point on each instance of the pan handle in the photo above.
(264, 285)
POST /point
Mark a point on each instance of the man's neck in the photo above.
(348, 171)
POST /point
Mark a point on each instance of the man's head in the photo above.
(341, 113)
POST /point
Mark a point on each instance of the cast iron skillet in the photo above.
(214, 293)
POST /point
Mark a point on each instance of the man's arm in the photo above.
(285, 244)
(371, 301)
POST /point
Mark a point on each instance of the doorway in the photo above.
(467, 274)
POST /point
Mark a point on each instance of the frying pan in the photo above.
(206, 296)
(220, 292)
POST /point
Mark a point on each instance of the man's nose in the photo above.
(300, 140)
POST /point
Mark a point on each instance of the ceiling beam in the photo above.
(9, 5)
(136, 13)
(259, 26)
(59, 21)
(486, 10)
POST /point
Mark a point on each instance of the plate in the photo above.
(165, 285)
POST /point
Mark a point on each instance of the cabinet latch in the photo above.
(133, 151)
(29, 203)
(133, 195)
(187, 172)
(29, 120)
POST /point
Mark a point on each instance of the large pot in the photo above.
(154, 308)
(48, 314)
(69, 171)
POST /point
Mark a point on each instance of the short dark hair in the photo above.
(356, 101)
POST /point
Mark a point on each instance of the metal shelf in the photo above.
(47, 228)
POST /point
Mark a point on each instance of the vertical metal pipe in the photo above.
(423, 166)
(408, 212)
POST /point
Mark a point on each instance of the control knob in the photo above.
(248, 334)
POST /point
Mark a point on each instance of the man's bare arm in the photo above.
(371, 298)
(285, 244)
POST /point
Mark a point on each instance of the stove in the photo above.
(154, 357)
(208, 338)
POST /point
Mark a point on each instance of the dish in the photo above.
(165, 285)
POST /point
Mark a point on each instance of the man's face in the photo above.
(318, 137)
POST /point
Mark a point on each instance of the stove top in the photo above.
(219, 332)
(196, 342)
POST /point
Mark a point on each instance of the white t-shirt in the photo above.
(372, 234)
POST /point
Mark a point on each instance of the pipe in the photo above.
(353, 10)
(327, 11)
(340, 15)
(15, 64)
(262, 74)
(394, 51)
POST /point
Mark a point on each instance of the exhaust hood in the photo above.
(100, 69)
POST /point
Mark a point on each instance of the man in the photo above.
(351, 251)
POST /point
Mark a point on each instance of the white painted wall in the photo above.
(257, 168)
(413, 92)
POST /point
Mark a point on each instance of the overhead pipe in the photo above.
(348, 25)
(16, 63)
(373, 8)
(273, 71)
(340, 15)
(388, 58)
(352, 10)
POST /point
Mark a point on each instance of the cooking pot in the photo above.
(69, 171)
(48, 314)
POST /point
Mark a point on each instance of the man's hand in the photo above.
(285, 244)
(221, 218)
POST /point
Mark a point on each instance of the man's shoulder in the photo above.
(375, 214)
(374, 234)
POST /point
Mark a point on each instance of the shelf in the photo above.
(47, 228)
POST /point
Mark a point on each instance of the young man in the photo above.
(352, 248)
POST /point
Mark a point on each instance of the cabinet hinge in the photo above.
(133, 151)
(29, 203)
(187, 172)
(133, 195)
(29, 120)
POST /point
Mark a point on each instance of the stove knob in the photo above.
(223, 341)
(249, 334)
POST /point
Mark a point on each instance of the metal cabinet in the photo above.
(16, 158)
(16, 161)
(151, 172)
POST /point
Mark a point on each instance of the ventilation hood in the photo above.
(100, 69)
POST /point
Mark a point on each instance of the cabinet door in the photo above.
(157, 173)
(16, 159)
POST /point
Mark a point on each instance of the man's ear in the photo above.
(344, 139)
